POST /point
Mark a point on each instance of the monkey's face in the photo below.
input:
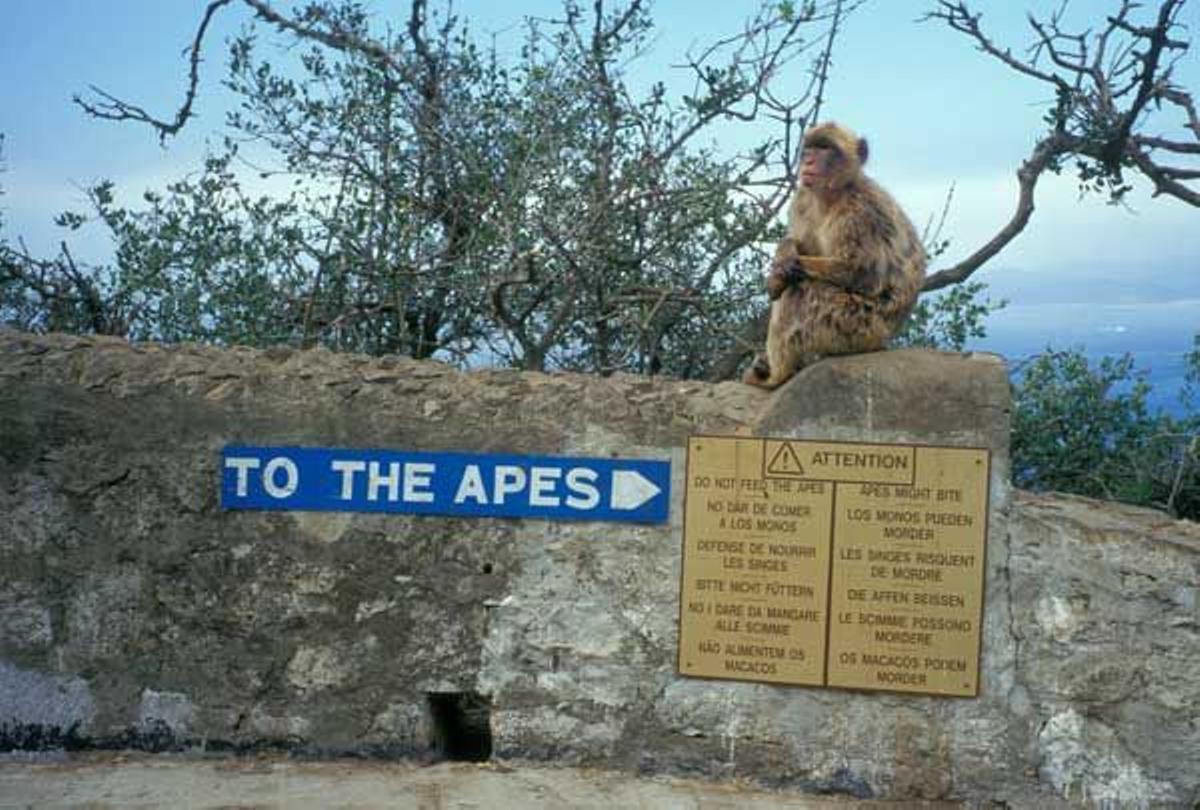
(817, 165)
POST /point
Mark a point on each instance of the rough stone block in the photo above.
(136, 612)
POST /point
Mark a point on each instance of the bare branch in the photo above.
(1158, 41)
(338, 39)
(1048, 37)
(1166, 181)
(959, 17)
(1045, 153)
(111, 108)
(1189, 455)
(1149, 33)
(762, 67)
(820, 80)
(1177, 173)
(114, 109)
(1184, 100)
(1178, 147)
(1124, 64)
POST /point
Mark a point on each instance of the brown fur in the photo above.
(849, 272)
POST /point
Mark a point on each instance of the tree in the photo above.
(1086, 429)
(1076, 427)
(950, 318)
(1106, 80)
(541, 213)
(201, 262)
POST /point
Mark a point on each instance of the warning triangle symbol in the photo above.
(785, 462)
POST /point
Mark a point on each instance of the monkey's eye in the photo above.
(818, 153)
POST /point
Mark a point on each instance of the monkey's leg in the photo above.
(787, 356)
(847, 325)
(799, 361)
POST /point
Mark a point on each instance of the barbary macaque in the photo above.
(849, 271)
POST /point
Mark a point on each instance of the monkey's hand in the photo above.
(784, 274)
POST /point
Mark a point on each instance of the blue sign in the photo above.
(457, 484)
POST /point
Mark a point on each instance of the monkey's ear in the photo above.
(863, 151)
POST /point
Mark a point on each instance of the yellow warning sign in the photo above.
(785, 462)
(840, 461)
(756, 565)
(834, 564)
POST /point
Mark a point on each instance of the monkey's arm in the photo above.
(782, 276)
(868, 239)
(837, 272)
(857, 273)
(786, 269)
(850, 276)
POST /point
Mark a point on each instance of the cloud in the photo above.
(1064, 229)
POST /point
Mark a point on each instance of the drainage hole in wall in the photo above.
(461, 723)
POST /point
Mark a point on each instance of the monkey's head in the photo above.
(833, 156)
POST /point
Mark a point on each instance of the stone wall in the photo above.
(135, 613)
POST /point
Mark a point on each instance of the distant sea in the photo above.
(1156, 332)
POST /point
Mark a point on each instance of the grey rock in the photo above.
(40, 706)
(165, 711)
(133, 606)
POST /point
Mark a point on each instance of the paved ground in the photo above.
(103, 781)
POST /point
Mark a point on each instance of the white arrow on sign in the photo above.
(630, 489)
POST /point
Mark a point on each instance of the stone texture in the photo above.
(41, 709)
(907, 392)
(1108, 632)
(137, 613)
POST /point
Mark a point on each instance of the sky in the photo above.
(938, 113)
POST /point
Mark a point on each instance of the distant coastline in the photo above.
(1157, 334)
